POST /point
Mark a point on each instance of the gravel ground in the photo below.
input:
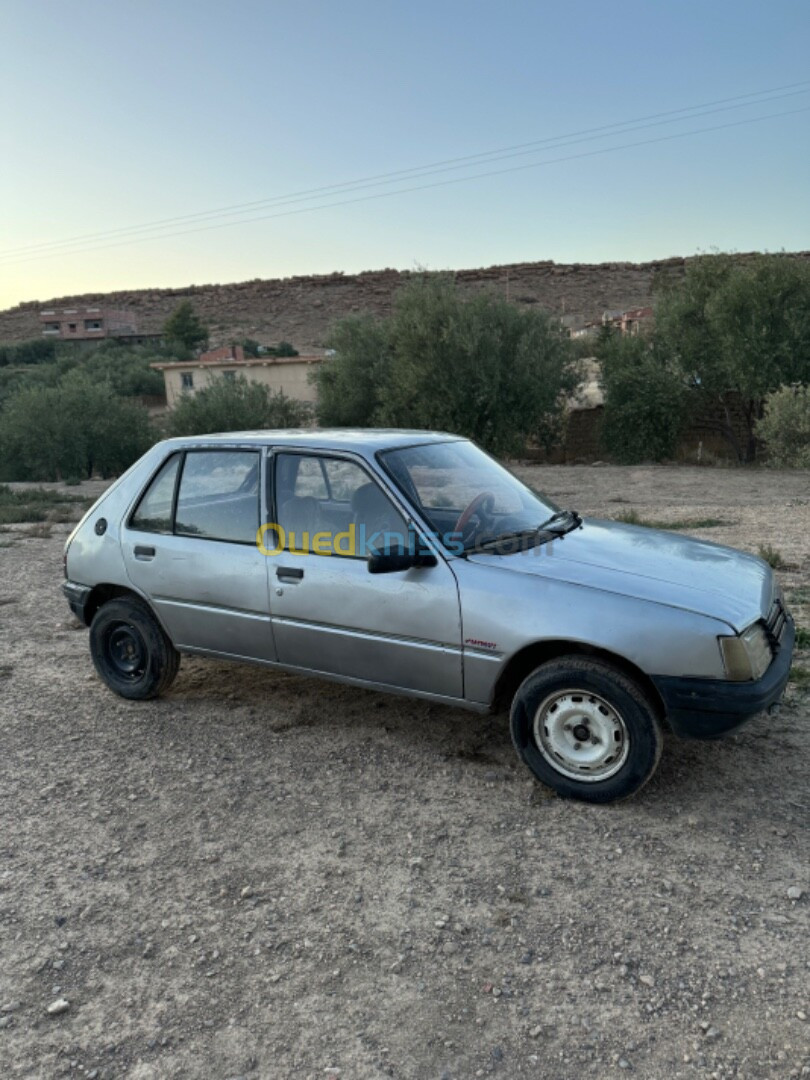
(264, 876)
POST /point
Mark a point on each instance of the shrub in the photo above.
(234, 405)
(785, 427)
(771, 555)
(284, 348)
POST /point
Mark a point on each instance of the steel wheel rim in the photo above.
(581, 735)
(125, 651)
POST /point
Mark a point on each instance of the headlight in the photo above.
(747, 656)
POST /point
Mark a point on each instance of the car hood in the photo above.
(650, 564)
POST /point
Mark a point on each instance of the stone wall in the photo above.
(581, 442)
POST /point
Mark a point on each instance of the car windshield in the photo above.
(464, 494)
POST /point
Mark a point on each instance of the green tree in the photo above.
(646, 400)
(234, 405)
(474, 365)
(785, 427)
(737, 330)
(184, 332)
(127, 368)
(76, 428)
(351, 386)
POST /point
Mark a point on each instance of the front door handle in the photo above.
(289, 573)
(142, 552)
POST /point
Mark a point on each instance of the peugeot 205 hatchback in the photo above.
(412, 562)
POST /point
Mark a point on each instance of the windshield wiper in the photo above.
(564, 521)
(555, 528)
(522, 537)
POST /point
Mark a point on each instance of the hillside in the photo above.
(302, 309)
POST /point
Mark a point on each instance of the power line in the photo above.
(67, 246)
(436, 184)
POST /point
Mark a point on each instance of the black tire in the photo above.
(130, 651)
(574, 717)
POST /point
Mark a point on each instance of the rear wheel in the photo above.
(130, 651)
(586, 729)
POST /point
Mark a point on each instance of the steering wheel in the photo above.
(482, 506)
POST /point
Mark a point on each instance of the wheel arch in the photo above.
(524, 662)
(101, 594)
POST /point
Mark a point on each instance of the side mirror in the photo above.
(397, 560)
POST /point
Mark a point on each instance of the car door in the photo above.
(329, 613)
(190, 546)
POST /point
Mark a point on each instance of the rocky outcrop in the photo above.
(303, 309)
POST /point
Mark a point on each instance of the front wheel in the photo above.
(586, 729)
(130, 651)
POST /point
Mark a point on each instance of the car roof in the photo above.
(365, 440)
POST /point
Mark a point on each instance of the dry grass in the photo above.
(36, 505)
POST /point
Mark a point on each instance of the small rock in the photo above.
(497, 1053)
(527, 957)
(795, 893)
(712, 1034)
(623, 1063)
(536, 1032)
(56, 1008)
(10, 1006)
(648, 980)
(246, 893)
(5, 1021)
(801, 1015)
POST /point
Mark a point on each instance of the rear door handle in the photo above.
(142, 552)
(289, 573)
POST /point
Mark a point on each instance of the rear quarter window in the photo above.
(154, 510)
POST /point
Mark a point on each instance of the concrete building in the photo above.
(94, 324)
(290, 374)
(626, 322)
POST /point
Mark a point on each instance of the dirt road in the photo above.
(264, 876)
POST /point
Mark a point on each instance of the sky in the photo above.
(115, 115)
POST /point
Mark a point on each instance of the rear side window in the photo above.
(154, 511)
(219, 495)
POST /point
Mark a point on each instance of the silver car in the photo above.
(412, 562)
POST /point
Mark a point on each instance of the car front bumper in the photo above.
(710, 708)
(77, 597)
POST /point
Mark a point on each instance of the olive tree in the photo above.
(78, 428)
(737, 330)
(476, 365)
(646, 400)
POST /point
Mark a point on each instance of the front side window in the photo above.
(187, 380)
(331, 506)
(154, 511)
(219, 495)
